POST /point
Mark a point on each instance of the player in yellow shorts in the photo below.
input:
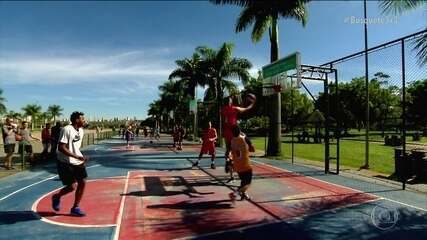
(241, 163)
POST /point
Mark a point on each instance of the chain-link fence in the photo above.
(346, 121)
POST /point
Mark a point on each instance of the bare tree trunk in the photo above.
(274, 137)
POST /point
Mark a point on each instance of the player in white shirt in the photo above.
(71, 163)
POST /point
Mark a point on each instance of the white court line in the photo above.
(36, 203)
(381, 197)
(22, 189)
(122, 205)
(33, 184)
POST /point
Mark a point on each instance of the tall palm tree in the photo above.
(401, 6)
(32, 110)
(55, 111)
(2, 100)
(188, 72)
(264, 16)
(172, 98)
(154, 109)
(219, 67)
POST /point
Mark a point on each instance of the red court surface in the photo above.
(101, 203)
(180, 204)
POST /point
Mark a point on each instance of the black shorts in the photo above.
(245, 178)
(69, 173)
(28, 148)
(9, 148)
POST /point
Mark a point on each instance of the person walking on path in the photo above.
(71, 164)
(128, 134)
(208, 145)
(180, 133)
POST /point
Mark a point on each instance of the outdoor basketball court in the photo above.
(151, 192)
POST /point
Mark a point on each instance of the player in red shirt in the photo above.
(230, 114)
(208, 145)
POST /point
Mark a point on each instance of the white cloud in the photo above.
(42, 70)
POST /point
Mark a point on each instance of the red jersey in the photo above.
(208, 134)
(208, 146)
(230, 115)
(45, 134)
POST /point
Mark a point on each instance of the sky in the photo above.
(107, 59)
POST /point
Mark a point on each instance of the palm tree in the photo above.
(45, 117)
(32, 110)
(2, 100)
(264, 15)
(172, 98)
(188, 72)
(401, 6)
(55, 111)
(219, 67)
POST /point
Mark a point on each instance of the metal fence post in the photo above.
(405, 157)
(22, 154)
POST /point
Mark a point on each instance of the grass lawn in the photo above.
(352, 153)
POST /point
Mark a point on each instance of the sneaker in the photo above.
(244, 196)
(232, 197)
(76, 211)
(56, 203)
(230, 180)
(196, 164)
(213, 165)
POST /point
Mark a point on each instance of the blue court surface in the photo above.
(151, 191)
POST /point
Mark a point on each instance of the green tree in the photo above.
(188, 72)
(383, 102)
(32, 110)
(296, 106)
(418, 100)
(264, 16)
(190, 76)
(173, 97)
(54, 111)
(45, 117)
(399, 7)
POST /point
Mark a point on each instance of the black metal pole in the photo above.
(327, 155)
(367, 88)
(404, 116)
(292, 124)
(265, 129)
(338, 122)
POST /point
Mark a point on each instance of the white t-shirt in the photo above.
(73, 140)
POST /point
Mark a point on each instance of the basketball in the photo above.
(18, 137)
(250, 98)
